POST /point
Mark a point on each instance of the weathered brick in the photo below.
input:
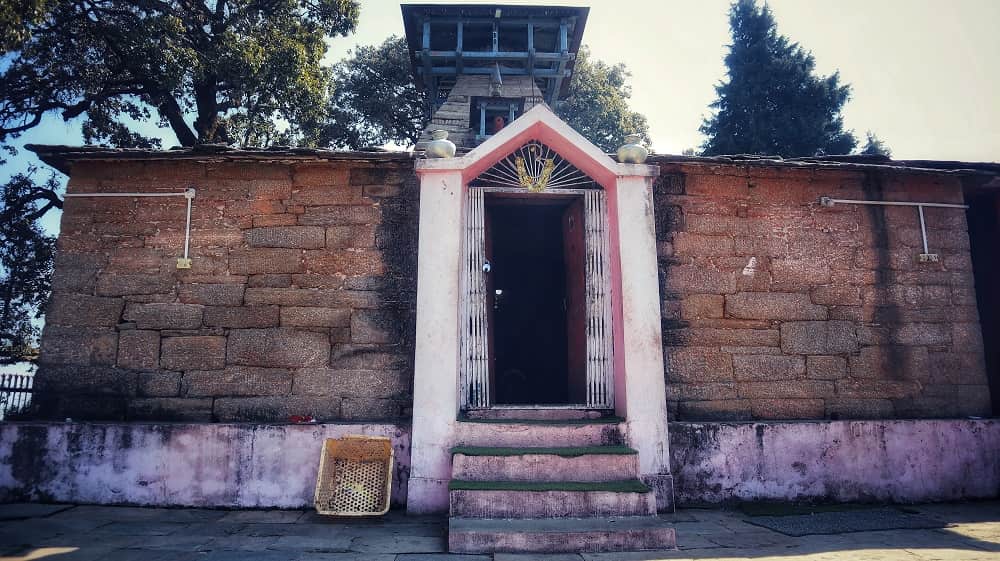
(891, 362)
(84, 311)
(158, 384)
(691, 365)
(818, 337)
(136, 260)
(699, 245)
(300, 237)
(826, 367)
(266, 220)
(160, 315)
(275, 408)
(243, 317)
(328, 195)
(365, 357)
(321, 298)
(84, 379)
(364, 409)
(852, 408)
(773, 305)
(788, 408)
(695, 306)
(374, 326)
(921, 334)
(76, 272)
(278, 347)
(836, 295)
(198, 352)
(877, 389)
(709, 336)
(315, 317)
(345, 262)
(700, 392)
(376, 175)
(269, 281)
(712, 224)
(714, 410)
(325, 173)
(385, 384)
(803, 389)
(768, 367)
(115, 284)
(383, 191)
(264, 260)
(139, 348)
(690, 279)
(237, 381)
(346, 237)
(270, 189)
(227, 294)
(79, 345)
(907, 296)
(170, 409)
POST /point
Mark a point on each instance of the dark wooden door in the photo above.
(574, 256)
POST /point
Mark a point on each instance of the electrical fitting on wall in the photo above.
(926, 256)
(189, 194)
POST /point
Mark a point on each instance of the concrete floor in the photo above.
(78, 533)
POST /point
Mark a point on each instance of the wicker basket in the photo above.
(355, 476)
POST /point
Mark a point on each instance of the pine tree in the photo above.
(772, 102)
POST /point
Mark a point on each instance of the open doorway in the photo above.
(984, 235)
(536, 250)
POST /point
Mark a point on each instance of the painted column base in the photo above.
(663, 489)
(427, 496)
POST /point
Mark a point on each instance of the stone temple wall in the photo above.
(777, 308)
(300, 300)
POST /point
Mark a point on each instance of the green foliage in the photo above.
(16, 19)
(374, 99)
(874, 146)
(771, 102)
(26, 255)
(238, 66)
(598, 103)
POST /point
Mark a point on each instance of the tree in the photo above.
(358, 115)
(598, 103)
(874, 146)
(26, 255)
(237, 65)
(772, 102)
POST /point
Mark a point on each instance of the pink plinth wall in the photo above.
(836, 461)
(204, 465)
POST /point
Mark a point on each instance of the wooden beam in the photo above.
(450, 71)
(458, 47)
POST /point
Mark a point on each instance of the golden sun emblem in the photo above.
(533, 184)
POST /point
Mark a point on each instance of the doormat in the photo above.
(842, 522)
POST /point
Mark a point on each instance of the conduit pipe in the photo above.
(926, 256)
(189, 193)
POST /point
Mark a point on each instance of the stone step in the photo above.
(588, 464)
(535, 413)
(585, 535)
(607, 431)
(519, 499)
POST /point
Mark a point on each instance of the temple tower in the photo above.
(484, 66)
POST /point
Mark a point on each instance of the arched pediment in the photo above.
(534, 167)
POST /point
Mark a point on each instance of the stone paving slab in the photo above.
(19, 511)
(93, 533)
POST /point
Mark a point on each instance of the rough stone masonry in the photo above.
(301, 297)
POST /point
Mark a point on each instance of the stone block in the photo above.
(700, 392)
(136, 260)
(697, 306)
(694, 365)
(805, 389)
(965, 337)
(264, 260)
(243, 317)
(138, 348)
(877, 389)
(77, 272)
(158, 384)
(227, 294)
(826, 367)
(957, 368)
(375, 326)
(294, 316)
(687, 244)
(818, 337)
(714, 410)
(891, 362)
(836, 295)
(921, 334)
(788, 409)
(346, 237)
(79, 345)
(365, 357)
(768, 367)
(345, 262)
(269, 281)
(339, 215)
(116, 284)
(275, 408)
(237, 381)
(800, 272)
(364, 409)
(161, 315)
(79, 380)
(84, 311)
(199, 352)
(169, 409)
(692, 279)
(851, 408)
(300, 237)
(326, 173)
(333, 194)
(278, 347)
(773, 305)
(322, 298)
(710, 336)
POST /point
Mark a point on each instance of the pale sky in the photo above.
(924, 74)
